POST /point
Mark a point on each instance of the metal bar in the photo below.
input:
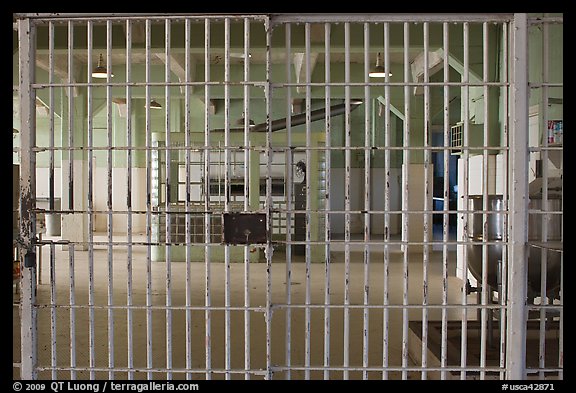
(312, 242)
(90, 131)
(327, 204)
(72, 299)
(27, 97)
(39, 85)
(544, 206)
(347, 174)
(283, 368)
(53, 338)
(156, 16)
(279, 149)
(387, 230)
(445, 217)
(405, 203)
(276, 209)
(70, 115)
(277, 18)
(51, 103)
(545, 20)
(207, 299)
(427, 199)
(227, 333)
(167, 74)
(149, 342)
(536, 85)
(502, 296)
(187, 201)
(485, 290)
(316, 306)
(308, 202)
(367, 140)
(397, 84)
(561, 311)
(372, 18)
(516, 332)
(129, 315)
(269, 248)
(397, 369)
(561, 291)
(465, 157)
(289, 204)
(109, 204)
(247, 196)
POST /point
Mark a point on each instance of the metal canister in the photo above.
(495, 232)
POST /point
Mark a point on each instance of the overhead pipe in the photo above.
(296, 120)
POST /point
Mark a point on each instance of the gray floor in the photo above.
(257, 285)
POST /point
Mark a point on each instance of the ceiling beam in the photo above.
(178, 67)
(435, 64)
(60, 68)
(299, 60)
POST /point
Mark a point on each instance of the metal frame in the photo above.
(512, 307)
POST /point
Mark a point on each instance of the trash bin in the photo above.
(53, 225)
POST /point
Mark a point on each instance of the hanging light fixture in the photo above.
(154, 104)
(378, 71)
(100, 71)
(240, 121)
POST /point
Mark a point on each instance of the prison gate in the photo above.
(280, 196)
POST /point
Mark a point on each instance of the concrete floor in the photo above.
(257, 323)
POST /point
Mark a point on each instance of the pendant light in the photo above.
(154, 104)
(240, 121)
(378, 71)
(100, 71)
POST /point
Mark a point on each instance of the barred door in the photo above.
(290, 197)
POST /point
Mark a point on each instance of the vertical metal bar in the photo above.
(207, 218)
(367, 152)
(129, 319)
(110, 214)
(385, 278)
(445, 218)
(90, 131)
(268, 151)
(327, 205)
(484, 286)
(544, 205)
(227, 334)
(347, 174)
(465, 157)
(51, 103)
(517, 273)
(289, 204)
(561, 292)
(187, 201)
(246, 195)
(70, 115)
(27, 97)
(149, 358)
(427, 199)
(561, 289)
(53, 338)
(72, 309)
(169, 180)
(71, 246)
(308, 205)
(405, 200)
(502, 297)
